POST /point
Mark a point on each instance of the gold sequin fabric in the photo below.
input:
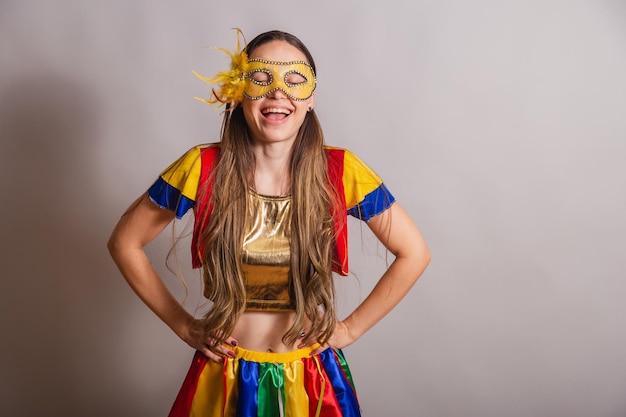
(266, 252)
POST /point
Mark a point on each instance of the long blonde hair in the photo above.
(312, 231)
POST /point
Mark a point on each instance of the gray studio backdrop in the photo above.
(499, 125)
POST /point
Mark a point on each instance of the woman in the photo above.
(270, 203)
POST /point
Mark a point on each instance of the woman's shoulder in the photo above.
(195, 154)
(334, 149)
(345, 157)
(207, 147)
(335, 152)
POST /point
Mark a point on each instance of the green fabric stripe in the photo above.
(270, 380)
(344, 366)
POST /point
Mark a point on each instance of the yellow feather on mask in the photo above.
(230, 83)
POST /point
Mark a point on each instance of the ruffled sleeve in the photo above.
(366, 194)
(177, 187)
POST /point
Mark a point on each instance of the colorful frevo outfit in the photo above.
(266, 384)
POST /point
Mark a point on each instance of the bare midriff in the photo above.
(263, 331)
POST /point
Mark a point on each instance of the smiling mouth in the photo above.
(272, 113)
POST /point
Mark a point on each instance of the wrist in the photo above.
(350, 331)
(183, 326)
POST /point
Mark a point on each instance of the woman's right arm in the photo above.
(139, 225)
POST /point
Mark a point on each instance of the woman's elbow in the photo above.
(119, 242)
(426, 256)
(421, 258)
(114, 245)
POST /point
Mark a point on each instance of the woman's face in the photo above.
(276, 117)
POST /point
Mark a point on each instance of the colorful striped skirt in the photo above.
(264, 384)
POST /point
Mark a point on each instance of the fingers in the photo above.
(198, 339)
(212, 356)
(305, 340)
(218, 351)
(231, 341)
(319, 349)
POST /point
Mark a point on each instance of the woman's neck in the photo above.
(272, 175)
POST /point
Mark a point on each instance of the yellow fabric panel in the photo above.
(274, 357)
(298, 400)
(184, 173)
(232, 370)
(208, 400)
(358, 179)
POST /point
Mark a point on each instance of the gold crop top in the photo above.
(266, 253)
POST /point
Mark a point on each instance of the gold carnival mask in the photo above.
(294, 78)
(256, 78)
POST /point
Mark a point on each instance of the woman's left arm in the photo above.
(398, 233)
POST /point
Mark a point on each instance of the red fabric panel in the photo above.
(313, 382)
(203, 209)
(182, 405)
(334, 160)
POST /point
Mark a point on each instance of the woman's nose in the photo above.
(278, 94)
